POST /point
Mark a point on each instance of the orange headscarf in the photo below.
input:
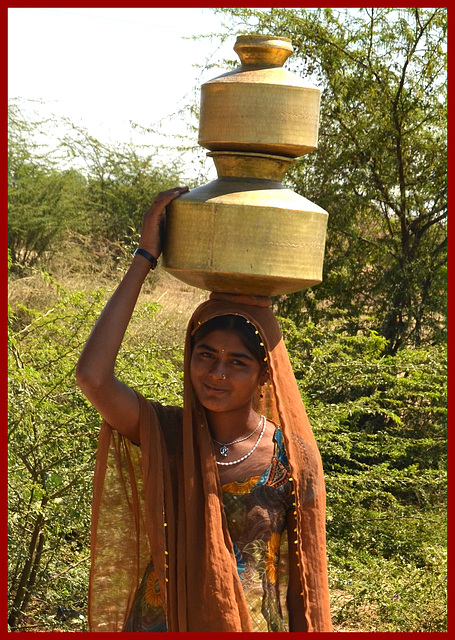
(164, 500)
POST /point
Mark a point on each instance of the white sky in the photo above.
(104, 67)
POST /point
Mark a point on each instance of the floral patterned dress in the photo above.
(256, 512)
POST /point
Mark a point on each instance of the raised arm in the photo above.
(115, 401)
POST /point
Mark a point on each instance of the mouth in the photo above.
(214, 390)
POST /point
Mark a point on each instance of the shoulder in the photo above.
(166, 412)
(160, 418)
(157, 409)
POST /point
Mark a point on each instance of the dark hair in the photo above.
(244, 329)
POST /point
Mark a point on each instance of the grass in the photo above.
(82, 267)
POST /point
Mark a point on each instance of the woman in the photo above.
(210, 517)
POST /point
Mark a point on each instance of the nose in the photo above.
(217, 371)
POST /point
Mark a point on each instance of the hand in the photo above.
(150, 233)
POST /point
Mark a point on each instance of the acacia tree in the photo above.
(77, 183)
(380, 169)
(44, 199)
(122, 180)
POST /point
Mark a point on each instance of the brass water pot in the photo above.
(260, 106)
(246, 234)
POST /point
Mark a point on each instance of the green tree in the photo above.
(44, 200)
(43, 205)
(380, 169)
(52, 442)
(122, 181)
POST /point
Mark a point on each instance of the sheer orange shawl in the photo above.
(163, 500)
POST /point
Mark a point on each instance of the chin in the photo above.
(213, 406)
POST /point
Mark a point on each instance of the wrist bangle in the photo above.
(147, 255)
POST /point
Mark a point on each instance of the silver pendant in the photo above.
(224, 450)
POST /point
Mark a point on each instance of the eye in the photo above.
(206, 354)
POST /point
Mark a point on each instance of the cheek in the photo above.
(197, 369)
(193, 369)
(250, 382)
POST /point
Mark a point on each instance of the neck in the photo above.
(229, 425)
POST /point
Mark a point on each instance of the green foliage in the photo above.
(375, 594)
(121, 183)
(381, 426)
(44, 201)
(43, 204)
(51, 449)
(52, 443)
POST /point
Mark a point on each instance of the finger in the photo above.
(171, 193)
(162, 200)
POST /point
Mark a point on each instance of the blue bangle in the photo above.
(147, 255)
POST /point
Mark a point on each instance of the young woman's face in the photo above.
(224, 373)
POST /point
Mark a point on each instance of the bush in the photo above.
(380, 422)
(52, 445)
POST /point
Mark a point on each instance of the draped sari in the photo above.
(163, 500)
